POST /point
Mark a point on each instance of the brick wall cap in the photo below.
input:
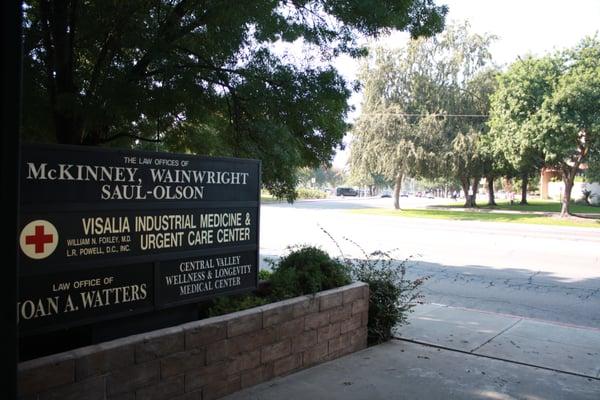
(190, 326)
(340, 289)
(46, 361)
(284, 303)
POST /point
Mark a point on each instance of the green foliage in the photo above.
(264, 274)
(424, 108)
(230, 304)
(568, 125)
(546, 111)
(391, 295)
(517, 183)
(478, 215)
(521, 92)
(592, 174)
(203, 77)
(305, 193)
(306, 270)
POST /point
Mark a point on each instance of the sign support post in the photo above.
(10, 121)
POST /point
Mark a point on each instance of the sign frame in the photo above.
(70, 210)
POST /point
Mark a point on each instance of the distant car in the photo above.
(345, 191)
(403, 194)
(385, 193)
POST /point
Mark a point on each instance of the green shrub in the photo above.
(230, 304)
(305, 270)
(264, 274)
(384, 312)
(308, 269)
(391, 295)
(305, 193)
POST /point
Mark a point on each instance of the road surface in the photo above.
(546, 272)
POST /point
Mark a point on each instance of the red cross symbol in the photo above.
(39, 239)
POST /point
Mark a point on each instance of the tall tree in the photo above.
(422, 104)
(522, 90)
(464, 161)
(545, 112)
(386, 144)
(568, 124)
(467, 158)
(203, 76)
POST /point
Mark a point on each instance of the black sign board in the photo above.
(106, 233)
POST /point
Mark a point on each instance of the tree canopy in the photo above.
(203, 76)
(424, 108)
(521, 92)
(568, 124)
(545, 112)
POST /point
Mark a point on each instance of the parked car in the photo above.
(385, 193)
(345, 191)
(403, 194)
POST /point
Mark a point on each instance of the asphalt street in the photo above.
(545, 272)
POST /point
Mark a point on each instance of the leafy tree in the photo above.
(386, 145)
(494, 165)
(202, 76)
(423, 107)
(545, 112)
(467, 159)
(568, 124)
(522, 90)
(465, 163)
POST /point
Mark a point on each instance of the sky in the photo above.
(523, 27)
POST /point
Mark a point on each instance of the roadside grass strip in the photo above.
(533, 206)
(486, 216)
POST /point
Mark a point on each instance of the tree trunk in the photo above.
(464, 183)
(491, 197)
(525, 178)
(568, 179)
(397, 187)
(564, 211)
(474, 186)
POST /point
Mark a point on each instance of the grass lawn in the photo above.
(534, 205)
(535, 219)
(266, 197)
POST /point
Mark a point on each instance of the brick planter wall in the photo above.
(210, 358)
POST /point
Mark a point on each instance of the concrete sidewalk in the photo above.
(455, 353)
(565, 348)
